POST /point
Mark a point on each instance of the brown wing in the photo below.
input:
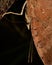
(40, 15)
(5, 5)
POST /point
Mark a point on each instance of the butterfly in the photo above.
(39, 19)
(5, 5)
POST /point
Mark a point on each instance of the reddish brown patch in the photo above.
(41, 27)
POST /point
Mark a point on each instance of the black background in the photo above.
(15, 39)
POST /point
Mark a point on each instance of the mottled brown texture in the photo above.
(40, 14)
(5, 5)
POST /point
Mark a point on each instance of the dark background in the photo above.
(15, 39)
